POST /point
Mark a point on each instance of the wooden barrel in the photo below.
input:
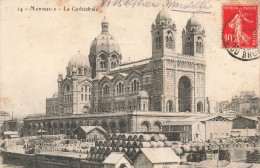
(114, 136)
(197, 157)
(106, 144)
(130, 137)
(186, 148)
(199, 148)
(124, 150)
(155, 137)
(155, 144)
(144, 137)
(99, 151)
(178, 151)
(129, 144)
(101, 143)
(118, 149)
(228, 146)
(190, 157)
(137, 150)
(135, 145)
(108, 150)
(205, 148)
(102, 157)
(160, 144)
(144, 145)
(118, 136)
(103, 150)
(168, 143)
(203, 156)
(113, 149)
(247, 145)
(124, 144)
(135, 138)
(108, 137)
(123, 137)
(193, 149)
(119, 143)
(162, 137)
(129, 151)
(113, 143)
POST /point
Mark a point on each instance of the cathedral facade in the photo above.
(132, 96)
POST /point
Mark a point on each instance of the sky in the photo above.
(37, 45)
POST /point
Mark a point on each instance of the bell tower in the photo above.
(193, 38)
(163, 35)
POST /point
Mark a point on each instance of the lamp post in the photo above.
(41, 125)
(218, 154)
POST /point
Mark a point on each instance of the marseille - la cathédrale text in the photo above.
(73, 8)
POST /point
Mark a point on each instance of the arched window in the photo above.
(103, 61)
(79, 71)
(86, 109)
(144, 108)
(199, 45)
(188, 47)
(158, 41)
(145, 126)
(105, 89)
(120, 88)
(113, 64)
(169, 40)
(200, 107)
(135, 85)
(68, 71)
(67, 92)
(169, 106)
(114, 61)
(157, 126)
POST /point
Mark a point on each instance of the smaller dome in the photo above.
(143, 94)
(55, 94)
(78, 60)
(163, 14)
(193, 21)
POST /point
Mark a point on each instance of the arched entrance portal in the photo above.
(200, 107)
(184, 94)
(113, 127)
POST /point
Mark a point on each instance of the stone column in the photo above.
(176, 88)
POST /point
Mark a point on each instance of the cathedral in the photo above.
(137, 96)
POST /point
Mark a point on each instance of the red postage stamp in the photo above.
(240, 26)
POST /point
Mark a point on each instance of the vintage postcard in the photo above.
(129, 83)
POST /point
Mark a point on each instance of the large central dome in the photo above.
(105, 42)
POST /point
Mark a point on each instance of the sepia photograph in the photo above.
(129, 84)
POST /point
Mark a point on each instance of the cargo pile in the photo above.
(197, 152)
(129, 144)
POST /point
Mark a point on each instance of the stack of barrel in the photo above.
(201, 151)
(129, 144)
(191, 153)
